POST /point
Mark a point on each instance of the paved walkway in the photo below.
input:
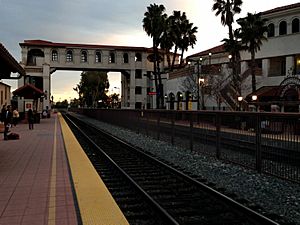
(35, 186)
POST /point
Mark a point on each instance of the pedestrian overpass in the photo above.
(42, 58)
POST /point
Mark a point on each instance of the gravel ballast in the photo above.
(273, 195)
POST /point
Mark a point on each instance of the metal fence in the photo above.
(266, 142)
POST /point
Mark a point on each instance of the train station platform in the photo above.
(46, 179)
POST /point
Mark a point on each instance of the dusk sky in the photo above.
(104, 22)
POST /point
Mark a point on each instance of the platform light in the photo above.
(254, 97)
(240, 98)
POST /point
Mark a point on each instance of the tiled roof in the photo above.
(72, 45)
(27, 88)
(282, 8)
(214, 50)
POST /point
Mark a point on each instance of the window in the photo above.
(111, 58)
(138, 90)
(271, 30)
(295, 25)
(54, 55)
(138, 57)
(83, 57)
(98, 57)
(125, 58)
(282, 28)
(138, 74)
(69, 56)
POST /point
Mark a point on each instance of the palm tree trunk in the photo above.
(155, 72)
(181, 57)
(253, 70)
(174, 57)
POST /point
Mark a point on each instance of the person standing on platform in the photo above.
(7, 121)
(30, 119)
(15, 116)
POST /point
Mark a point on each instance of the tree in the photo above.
(234, 47)
(227, 9)
(154, 25)
(187, 38)
(252, 33)
(93, 87)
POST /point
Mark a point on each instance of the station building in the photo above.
(277, 72)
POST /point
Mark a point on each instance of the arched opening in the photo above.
(172, 101)
(282, 28)
(69, 56)
(111, 58)
(83, 57)
(271, 30)
(32, 56)
(98, 57)
(295, 25)
(290, 96)
(138, 57)
(54, 55)
(125, 58)
(188, 100)
(179, 100)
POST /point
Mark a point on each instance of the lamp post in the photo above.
(240, 99)
(254, 98)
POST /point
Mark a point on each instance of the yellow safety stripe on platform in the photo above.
(96, 205)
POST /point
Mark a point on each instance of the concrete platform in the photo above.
(36, 180)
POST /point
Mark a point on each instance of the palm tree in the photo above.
(188, 37)
(227, 9)
(167, 40)
(252, 34)
(176, 22)
(234, 47)
(153, 24)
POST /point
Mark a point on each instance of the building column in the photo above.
(46, 86)
(289, 65)
(265, 67)
(132, 89)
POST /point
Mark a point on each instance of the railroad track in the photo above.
(151, 192)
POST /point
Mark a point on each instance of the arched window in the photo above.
(282, 28)
(125, 58)
(69, 56)
(111, 58)
(98, 57)
(271, 30)
(54, 55)
(138, 57)
(295, 25)
(83, 56)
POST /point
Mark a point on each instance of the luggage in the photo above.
(13, 136)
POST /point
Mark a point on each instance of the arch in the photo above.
(111, 58)
(138, 57)
(98, 56)
(295, 25)
(83, 56)
(69, 55)
(179, 100)
(172, 100)
(282, 28)
(188, 100)
(54, 55)
(125, 58)
(271, 30)
(33, 54)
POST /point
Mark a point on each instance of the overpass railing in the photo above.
(266, 142)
